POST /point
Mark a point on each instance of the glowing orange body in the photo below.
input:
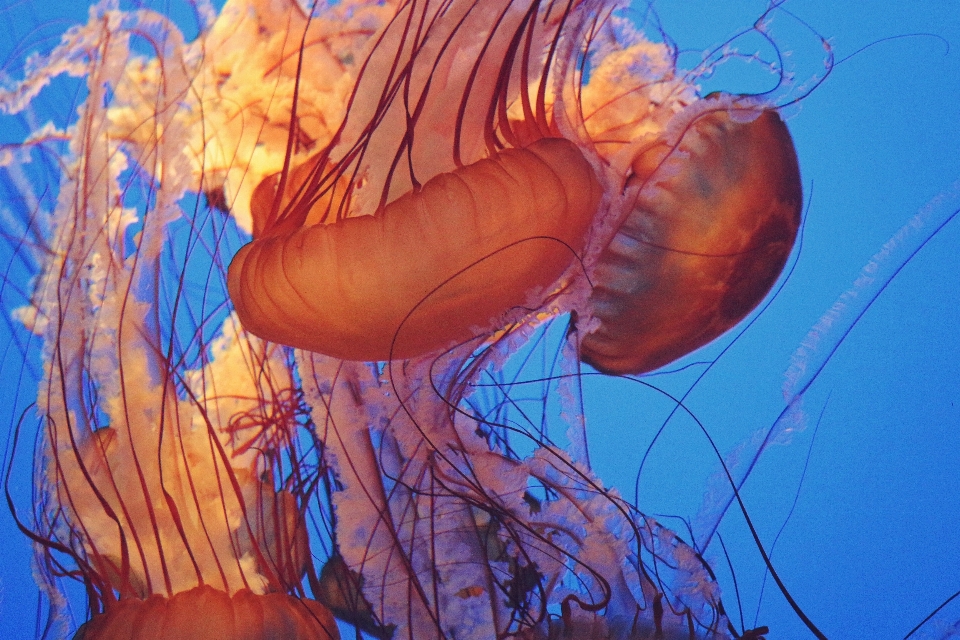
(432, 268)
(207, 613)
(707, 238)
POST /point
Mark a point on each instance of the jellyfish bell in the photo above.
(429, 268)
(714, 222)
(205, 612)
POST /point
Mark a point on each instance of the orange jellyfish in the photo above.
(366, 263)
(713, 227)
(390, 244)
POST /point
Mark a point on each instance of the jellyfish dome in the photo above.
(710, 233)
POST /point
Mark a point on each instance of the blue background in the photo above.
(872, 544)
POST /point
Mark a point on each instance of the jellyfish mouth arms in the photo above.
(438, 266)
(710, 232)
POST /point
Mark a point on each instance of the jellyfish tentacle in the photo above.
(715, 219)
(458, 253)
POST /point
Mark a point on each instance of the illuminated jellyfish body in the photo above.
(706, 214)
(702, 246)
(453, 519)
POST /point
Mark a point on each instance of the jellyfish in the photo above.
(459, 502)
(706, 207)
